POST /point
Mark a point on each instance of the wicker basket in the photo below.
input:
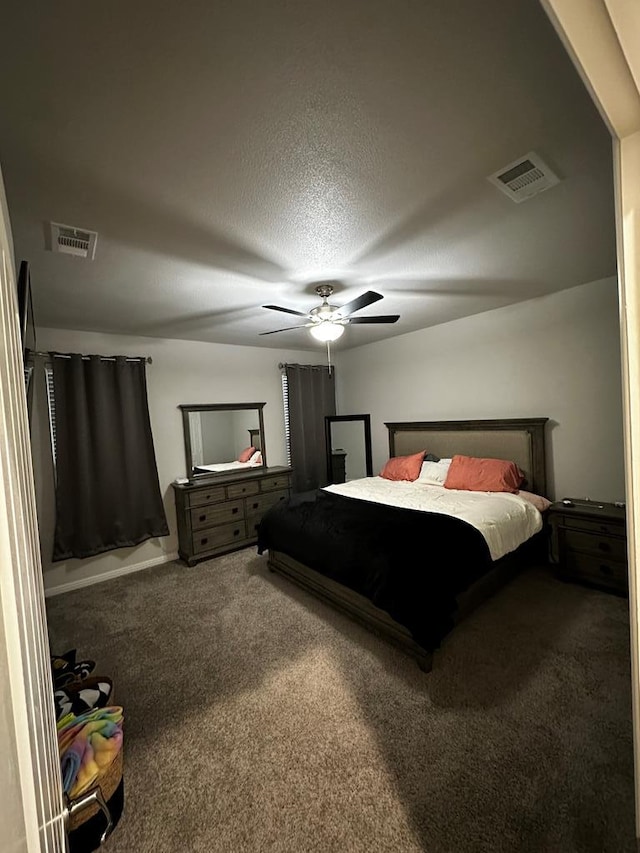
(107, 781)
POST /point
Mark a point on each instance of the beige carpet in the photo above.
(258, 719)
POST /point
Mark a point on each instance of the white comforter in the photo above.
(216, 467)
(505, 520)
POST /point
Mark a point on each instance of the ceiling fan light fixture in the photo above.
(327, 331)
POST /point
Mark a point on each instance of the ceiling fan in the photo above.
(327, 322)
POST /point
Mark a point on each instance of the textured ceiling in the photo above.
(233, 154)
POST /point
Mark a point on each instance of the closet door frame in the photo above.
(31, 805)
(601, 39)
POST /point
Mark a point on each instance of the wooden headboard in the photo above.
(520, 440)
(255, 439)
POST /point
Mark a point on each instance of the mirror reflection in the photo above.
(348, 439)
(223, 437)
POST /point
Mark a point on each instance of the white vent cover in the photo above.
(73, 241)
(525, 177)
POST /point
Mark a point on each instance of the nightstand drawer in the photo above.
(605, 527)
(592, 543)
(205, 540)
(206, 516)
(604, 571)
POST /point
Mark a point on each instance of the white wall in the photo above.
(557, 356)
(217, 437)
(181, 372)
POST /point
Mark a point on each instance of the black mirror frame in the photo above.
(329, 419)
(217, 407)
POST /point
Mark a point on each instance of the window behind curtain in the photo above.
(107, 490)
(287, 425)
(51, 402)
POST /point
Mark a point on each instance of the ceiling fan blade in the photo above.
(359, 302)
(285, 310)
(385, 318)
(275, 331)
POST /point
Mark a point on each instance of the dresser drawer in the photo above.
(238, 490)
(256, 508)
(206, 496)
(604, 571)
(279, 481)
(261, 503)
(252, 525)
(207, 516)
(213, 537)
(608, 528)
(593, 543)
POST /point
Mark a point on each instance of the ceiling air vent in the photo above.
(73, 241)
(525, 177)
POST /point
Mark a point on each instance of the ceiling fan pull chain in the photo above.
(329, 356)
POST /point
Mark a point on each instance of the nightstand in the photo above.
(338, 466)
(589, 543)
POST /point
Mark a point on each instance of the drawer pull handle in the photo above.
(234, 510)
(282, 497)
(202, 518)
(604, 546)
(204, 541)
(236, 532)
(606, 570)
(254, 506)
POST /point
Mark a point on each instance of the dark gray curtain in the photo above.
(107, 490)
(312, 395)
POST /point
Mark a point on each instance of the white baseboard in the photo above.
(108, 576)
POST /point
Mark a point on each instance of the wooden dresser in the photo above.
(589, 544)
(222, 513)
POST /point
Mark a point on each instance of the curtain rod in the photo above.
(147, 359)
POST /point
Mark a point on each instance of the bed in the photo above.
(407, 574)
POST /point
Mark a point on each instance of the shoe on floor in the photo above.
(82, 696)
(65, 670)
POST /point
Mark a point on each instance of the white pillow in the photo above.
(434, 473)
(540, 503)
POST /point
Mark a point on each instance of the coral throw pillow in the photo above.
(477, 474)
(246, 454)
(403, 467)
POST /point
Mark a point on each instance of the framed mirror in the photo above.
(219, 437)
(348, 442)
